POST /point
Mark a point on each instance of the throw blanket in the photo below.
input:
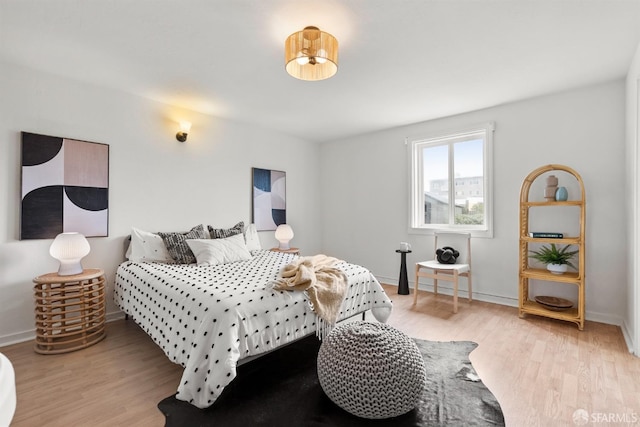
(324, 285)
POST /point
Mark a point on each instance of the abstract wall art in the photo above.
(65, 187)
(269, 198)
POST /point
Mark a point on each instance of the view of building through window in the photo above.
(450, 185)
(468, 183)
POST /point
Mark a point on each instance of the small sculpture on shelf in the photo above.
(551, 188)
(561, 194)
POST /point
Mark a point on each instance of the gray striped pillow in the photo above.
(223, 233)
(177, 246)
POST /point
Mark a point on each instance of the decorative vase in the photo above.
(550, 189)
(557, 268)
(562, 194)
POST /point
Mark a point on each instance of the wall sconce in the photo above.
(284, 233)
(69, 249)
(185, 127)
(311, 54)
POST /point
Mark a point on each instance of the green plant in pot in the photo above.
(556, 258)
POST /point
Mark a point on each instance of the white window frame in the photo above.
(416, 185)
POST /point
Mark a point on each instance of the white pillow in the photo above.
(251, 238)
(219, 251)
(148, 247)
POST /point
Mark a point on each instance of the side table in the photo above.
(403, 283)
(295, 251)
(69, 311)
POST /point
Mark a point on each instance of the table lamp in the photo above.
(69, 249)
(284, 233)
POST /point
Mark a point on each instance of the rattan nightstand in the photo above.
(70, 311)
(295, 251)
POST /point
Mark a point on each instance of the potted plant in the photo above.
(556, 259)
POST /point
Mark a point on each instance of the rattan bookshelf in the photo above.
(527, 305)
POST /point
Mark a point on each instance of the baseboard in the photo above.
(502, 300)
(17, 338)
(462, 293)
(115, 315)
(30, 335)
(609, 319)
(628, 338)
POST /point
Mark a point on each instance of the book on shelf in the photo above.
(546, 234)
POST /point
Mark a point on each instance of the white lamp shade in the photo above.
(69, 249)
(284, 233)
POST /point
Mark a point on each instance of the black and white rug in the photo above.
(282, 389)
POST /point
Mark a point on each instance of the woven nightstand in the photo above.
(295, 251)
(69, 311)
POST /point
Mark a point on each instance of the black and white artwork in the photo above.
(269, 198)
(65, 187)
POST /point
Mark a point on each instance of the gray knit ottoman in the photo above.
(371, 370)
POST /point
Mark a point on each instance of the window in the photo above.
(451, 182)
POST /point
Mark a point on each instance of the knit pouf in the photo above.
(371, 370)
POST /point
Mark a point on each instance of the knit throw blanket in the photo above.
(324, 285)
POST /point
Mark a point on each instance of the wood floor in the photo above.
(540, 370)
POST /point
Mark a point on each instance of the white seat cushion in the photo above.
(433, 264)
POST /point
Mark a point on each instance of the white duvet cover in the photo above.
(206, 318)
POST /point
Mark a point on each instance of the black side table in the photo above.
(403, 283)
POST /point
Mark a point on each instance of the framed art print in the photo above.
(65, 187)
(269, 198)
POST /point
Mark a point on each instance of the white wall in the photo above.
(347, 198)
(365, 192)
(156, 183)
(631, 326)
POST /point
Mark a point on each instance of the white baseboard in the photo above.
(30, 335)
(16, 338)
(628, 338)
(502, 300)
(115, 315)
(462, 293)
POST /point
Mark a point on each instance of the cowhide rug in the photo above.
(282, 389)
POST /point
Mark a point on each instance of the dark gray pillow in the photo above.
(177, 246)
(223, 233)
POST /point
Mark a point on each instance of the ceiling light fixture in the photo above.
(311, 54)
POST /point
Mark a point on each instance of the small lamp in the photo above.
(69, 249)
(185, 127)
(284, 233)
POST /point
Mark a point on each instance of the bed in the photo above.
(207, 318)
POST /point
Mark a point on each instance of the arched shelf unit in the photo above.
(527, 305)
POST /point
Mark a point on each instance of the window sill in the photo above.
(477, 233)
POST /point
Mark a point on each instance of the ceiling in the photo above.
(400, 61)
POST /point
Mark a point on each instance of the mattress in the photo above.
(207, 318)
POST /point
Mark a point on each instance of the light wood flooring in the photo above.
(540, 370)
